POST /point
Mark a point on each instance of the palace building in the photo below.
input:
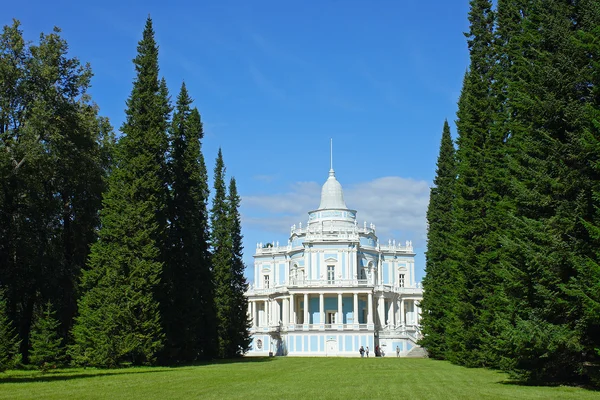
(334, 288)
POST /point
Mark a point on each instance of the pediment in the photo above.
(331, 259)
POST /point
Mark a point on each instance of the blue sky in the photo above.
(275, 80)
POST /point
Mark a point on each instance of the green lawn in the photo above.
(282, 378)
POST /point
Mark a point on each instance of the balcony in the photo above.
(338, 283)
(327, 327)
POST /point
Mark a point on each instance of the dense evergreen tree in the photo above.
(9, 340)
(119, 319)
(222, 249)
(54, 154)
(549, 91)
(188, 298)
(47, 347)
(476, 227)
(440, 275)
(230, 284)
(585, 284)
(239, 321)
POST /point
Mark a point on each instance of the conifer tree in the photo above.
(585, 282)
(479, 195)
(549, 92)
(188, 300)
(440, 275)
(47, 348)
(119, 319)
(9, 340)
(239, 322)
(222, 250)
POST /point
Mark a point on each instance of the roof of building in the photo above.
(332, 195)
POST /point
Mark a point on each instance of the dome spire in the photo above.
(331, 153)
(332, 195)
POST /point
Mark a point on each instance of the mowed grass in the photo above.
(282, 378)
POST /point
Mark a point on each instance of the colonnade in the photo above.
(285, 310)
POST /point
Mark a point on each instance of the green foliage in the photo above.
(188, 296)
(9, 340)
(228, 267)
(440, 277)
(54, 155)
(521, 290)
(47, 349)
(119, 319)
(222, 248)
(239, 321)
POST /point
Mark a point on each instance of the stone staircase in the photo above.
(417, 352)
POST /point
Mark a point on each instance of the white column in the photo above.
(321, 309)
(370, 308)
(417, 312)
(286, 311)
(267, 313)
(253, 312)
(391, 313)
(305, 308)
(381, 310)
(340, 318)
(402, 319)
(292, 310)
(355, 308)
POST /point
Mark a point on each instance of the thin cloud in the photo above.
(265, 84)
(265, 178)
(396, 205)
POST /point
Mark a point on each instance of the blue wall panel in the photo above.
(281, 274)
(314, 310)
(314, 343)
(386, 273)
(348, 343)
(347, 308)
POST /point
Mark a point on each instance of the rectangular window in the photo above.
(331, 317)
(266, 282)
(401, 280)
(330, 274)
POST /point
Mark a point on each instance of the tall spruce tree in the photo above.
(440, 272)
(550, 94)
(188, 298)
(119, 319)
(584, 285)
(480, 189)
(222, 249)
(239, 322)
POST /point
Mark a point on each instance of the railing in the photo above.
(326, 327)
(338, 283)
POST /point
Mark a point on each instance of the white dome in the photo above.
(332, 195)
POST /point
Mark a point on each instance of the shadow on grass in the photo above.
(239, 360)
(66, 375)
(550, 384)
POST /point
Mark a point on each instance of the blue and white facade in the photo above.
(333, 288)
